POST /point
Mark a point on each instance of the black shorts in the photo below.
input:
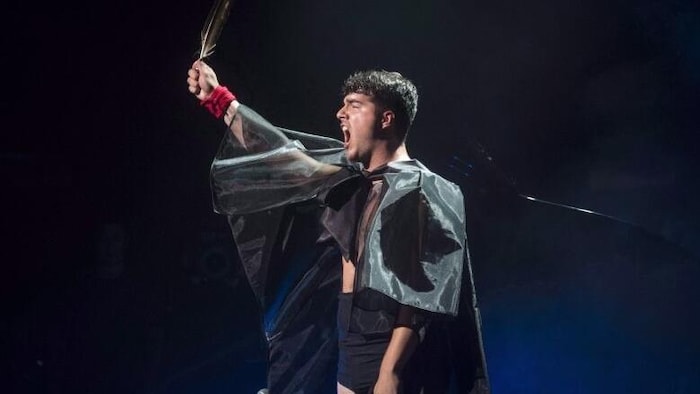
(359, 355)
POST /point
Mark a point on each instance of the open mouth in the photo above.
(346, 135)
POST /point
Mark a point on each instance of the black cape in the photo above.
(286, 195)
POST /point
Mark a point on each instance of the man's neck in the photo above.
(382, 157)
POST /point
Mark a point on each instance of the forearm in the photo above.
(266, 137)
(235, 126)
(220, 102)
(227, 107)
(230, 113)
(404, 341)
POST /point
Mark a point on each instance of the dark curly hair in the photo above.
(389, 89)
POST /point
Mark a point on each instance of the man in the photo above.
(398, 227)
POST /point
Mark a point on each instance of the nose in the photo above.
(340, 115)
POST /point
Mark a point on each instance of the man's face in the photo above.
(360, 122)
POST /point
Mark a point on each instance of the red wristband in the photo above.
(218, 101)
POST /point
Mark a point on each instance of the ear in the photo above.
(387, 119)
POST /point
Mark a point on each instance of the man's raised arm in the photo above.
(257, 166)
(217, 99)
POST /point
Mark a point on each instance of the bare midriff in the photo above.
(348, 276)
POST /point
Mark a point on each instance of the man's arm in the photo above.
(261, 167)
(403, 343)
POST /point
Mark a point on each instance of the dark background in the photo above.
(118, 277)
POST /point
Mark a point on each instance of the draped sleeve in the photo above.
(259, 166)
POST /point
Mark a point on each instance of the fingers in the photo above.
(201, 79)
(192, 78)
(199, 64)
(193, 81)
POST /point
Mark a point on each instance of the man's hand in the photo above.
(201, 80)
(387, 383)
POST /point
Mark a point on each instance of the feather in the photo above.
(213, 26)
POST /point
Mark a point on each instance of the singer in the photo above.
(356, 251)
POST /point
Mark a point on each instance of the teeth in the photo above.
(346, 134)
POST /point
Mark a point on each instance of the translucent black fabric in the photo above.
(414, 245)
(293, 202)
(263, 169)
(270, 167)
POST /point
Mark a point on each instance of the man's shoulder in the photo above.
(414, 175)
(418, 168)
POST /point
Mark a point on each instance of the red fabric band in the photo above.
(218, 101)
